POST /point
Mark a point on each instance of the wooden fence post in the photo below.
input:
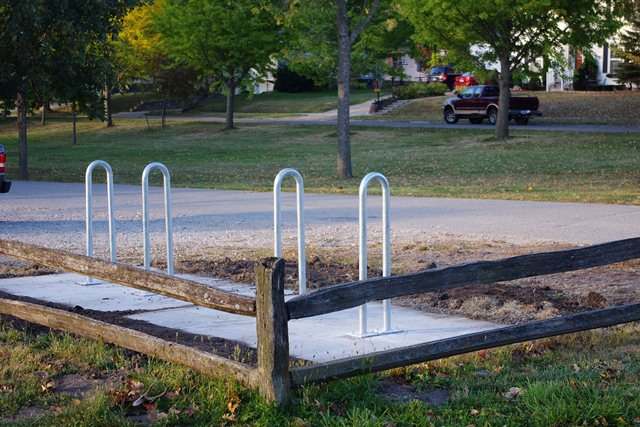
(272, 330)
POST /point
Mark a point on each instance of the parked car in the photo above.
(465, 80)
(443, 74)
(477, 103)
(5, 185)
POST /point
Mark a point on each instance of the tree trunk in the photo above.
(23, 164)
(74, 120)
(344, 76)
(502, 126)
(43, 114)
(164, 114)
(231, 100)
(108, 113)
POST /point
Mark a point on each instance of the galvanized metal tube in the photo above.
(363, 249)
(168, 219)
(88, 194)
(277, 226)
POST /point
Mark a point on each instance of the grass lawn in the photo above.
(615, 108)
(48, 378)
(445, 163)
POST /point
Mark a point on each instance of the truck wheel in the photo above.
(523, 121)
(476, 120)
(492, 115)
(450, 116)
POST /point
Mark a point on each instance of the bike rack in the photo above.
(277, 229)
(386, 250)
(167, 213)
(88, 193)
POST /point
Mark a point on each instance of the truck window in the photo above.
(467, 93)
(491, 91)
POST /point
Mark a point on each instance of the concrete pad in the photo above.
(319, 338)
(68, 289)
(326, 337)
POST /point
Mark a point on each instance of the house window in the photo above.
(615, 61)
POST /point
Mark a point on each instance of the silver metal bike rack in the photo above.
(277, 229)
(88, 193)
(168, 221)
(386, 250)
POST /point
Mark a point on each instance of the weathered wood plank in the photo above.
(347, 295)
(206, 363)
(122, 274)
(390, 359)
(272, 331)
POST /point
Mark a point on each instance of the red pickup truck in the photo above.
(5, 185)
(477, 103)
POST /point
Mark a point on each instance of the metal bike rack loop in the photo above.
(168, 221)
(88, 193)
(386, 249)
(277, 228)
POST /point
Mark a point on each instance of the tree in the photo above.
(47, 46)
(320, 28)
(230, 42)
(629, 71)
(140, 54)
(512, 32)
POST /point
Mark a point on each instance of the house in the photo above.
(562, 78)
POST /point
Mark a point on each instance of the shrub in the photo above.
(587, 74)
(290, 81)
(420, 90)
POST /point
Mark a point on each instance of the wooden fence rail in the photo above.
(389, 359)
(273, 377)
(348, 295)
(200, 361)
(126, 275)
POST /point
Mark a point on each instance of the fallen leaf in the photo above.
(47, 386)
(139, 401)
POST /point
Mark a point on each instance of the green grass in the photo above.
(444, 163)
(585, 379)
(280, 102)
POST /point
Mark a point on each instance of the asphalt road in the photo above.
(52, 214)
(327, 119)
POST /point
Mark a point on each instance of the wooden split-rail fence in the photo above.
(273, 376)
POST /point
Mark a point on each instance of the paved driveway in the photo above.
(52, 214)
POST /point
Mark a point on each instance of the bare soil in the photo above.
(509, 302)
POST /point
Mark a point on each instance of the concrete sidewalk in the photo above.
(319, 338)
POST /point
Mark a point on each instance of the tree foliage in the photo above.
(629, 71)
(512, 32)
(141, 55)
(231, 42)
(312, 43)
(53, 49)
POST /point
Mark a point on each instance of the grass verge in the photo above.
(418, 162)
(602, 108)
(50, 378)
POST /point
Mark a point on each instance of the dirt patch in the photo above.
(518, 301)
(13, 268)
(397, 390)
(510, 302)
